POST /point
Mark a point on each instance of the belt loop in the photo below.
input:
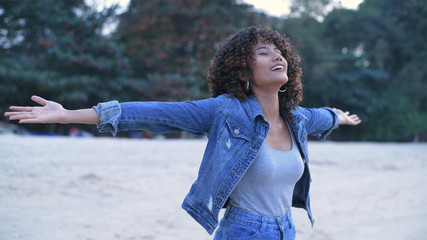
(263, 225)
(289, 218)
(227, 211)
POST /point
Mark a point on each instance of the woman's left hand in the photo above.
(346, 118)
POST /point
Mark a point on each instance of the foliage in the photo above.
(164, 39)
(309, 8)
(56, 49)
(369, 61)
(390, 41)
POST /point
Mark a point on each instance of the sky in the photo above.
(272, 7)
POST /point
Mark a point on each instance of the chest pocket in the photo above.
(237, 130)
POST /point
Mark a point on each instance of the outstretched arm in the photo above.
(51, 112)
(346, 118)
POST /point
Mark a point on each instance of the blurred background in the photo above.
(369, 59)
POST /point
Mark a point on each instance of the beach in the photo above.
(54, 188)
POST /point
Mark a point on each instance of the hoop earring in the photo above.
(247, 86)
(284, 90)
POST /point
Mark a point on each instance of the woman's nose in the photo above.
(277, 57)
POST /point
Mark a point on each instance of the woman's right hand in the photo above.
(48, 112)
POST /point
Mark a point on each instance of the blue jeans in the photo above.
(238, 224)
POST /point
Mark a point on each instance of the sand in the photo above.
(55, 188)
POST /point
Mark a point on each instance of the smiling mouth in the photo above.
(278, 67)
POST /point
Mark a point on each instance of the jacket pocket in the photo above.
(237, 130)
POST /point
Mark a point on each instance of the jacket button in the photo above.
(236, 131)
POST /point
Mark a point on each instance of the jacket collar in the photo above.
(252, 107)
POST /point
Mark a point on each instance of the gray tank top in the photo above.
(268, 185)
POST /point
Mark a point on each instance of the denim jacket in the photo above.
(235, 129)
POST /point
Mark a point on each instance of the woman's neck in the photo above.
(270, 106)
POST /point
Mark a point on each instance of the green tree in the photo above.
(171, 45)
(384, 45)
(310, 8)
(55, 48)
(368, 60)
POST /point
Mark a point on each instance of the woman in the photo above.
(256, 159)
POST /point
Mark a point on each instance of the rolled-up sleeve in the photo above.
(109, 114)
(158, 117)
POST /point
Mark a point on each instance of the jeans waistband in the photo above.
(243, 217)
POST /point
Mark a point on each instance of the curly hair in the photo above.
(230, 69)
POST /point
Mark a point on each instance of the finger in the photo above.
(33, 120)
(356, 120)
(8, 114)
(21, 109)
(21, 116)
(355, 117)
(39, 100)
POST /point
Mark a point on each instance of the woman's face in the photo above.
(269, 67)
